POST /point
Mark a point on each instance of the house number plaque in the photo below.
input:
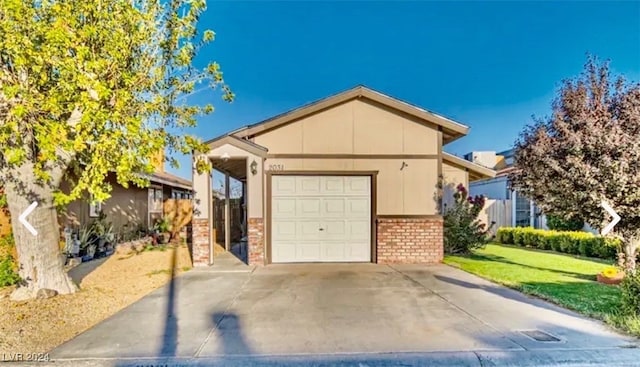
(276, 167)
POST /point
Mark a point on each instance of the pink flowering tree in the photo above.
(463, 230)
(586, 152)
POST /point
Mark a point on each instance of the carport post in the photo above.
(227, 213)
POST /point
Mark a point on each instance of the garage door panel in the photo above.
(358, 185)
(283, 185)
(335, 230)
(308, 251)
(359, 230)
(285, 252)
(321, 219)
(284, 230)
(357, 250)
(308, 207)
(308, 230)
(334, 251)
(307, 185)
(333, 208)
(358, 207)
(333, 185)
(284, 208)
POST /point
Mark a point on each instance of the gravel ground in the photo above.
(106, 286)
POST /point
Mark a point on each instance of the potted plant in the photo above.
(162, 229)
(610, 275)
(87, 239)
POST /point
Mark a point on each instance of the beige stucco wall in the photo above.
(354, 127)
(124, 207)
(410, 191)
(452, 177)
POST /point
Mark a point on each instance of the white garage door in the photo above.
(321, 219)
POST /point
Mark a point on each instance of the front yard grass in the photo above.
(568, 281)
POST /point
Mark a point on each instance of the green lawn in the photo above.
(562, 279)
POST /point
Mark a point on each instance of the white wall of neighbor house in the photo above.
(492, 188)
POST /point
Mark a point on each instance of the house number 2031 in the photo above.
(276, 167)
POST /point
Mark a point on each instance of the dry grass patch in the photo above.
(106, 286)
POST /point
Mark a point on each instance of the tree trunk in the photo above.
(630, 247)
(40, 264)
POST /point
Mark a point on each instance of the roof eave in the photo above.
(476, 171)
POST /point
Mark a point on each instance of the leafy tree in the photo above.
(86, 88)
(463, 231)
(586, 152)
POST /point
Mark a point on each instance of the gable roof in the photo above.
(476, 171)
(452, 130)
(245, 144)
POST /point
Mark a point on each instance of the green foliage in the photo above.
(574, 243)
(630, 289)
(8, 271)
(93, 87)
(585, 152)
(463, 231)
(162, 225)
(558, 223)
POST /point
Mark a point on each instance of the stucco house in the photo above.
(353, 177)
(130, 207)
(524, 212)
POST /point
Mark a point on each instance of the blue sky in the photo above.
(489, 65)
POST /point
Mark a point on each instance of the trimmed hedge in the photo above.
(574, 243)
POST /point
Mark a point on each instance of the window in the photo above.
(179, 194)
(94, 210)
(523, 211)
(155, 199)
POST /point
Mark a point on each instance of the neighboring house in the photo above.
(350, 178)
(132, 207)
(524, 213)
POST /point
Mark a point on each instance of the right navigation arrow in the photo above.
(616, 218)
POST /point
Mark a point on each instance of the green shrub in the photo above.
(8, 268)
(518, 236)
(463, 231)
(505, 235)
(569, 242)
(630, 293)
(587, 245)
(558, 223)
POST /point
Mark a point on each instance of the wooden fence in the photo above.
(179, 213)
(498, 212)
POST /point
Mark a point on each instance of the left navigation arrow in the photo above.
(23, 218)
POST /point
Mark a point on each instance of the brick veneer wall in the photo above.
(410, 240)
(200, 241)
(256, 241)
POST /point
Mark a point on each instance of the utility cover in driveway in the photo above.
(321, 219)
(540, 336)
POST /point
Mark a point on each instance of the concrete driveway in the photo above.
(342, 309)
